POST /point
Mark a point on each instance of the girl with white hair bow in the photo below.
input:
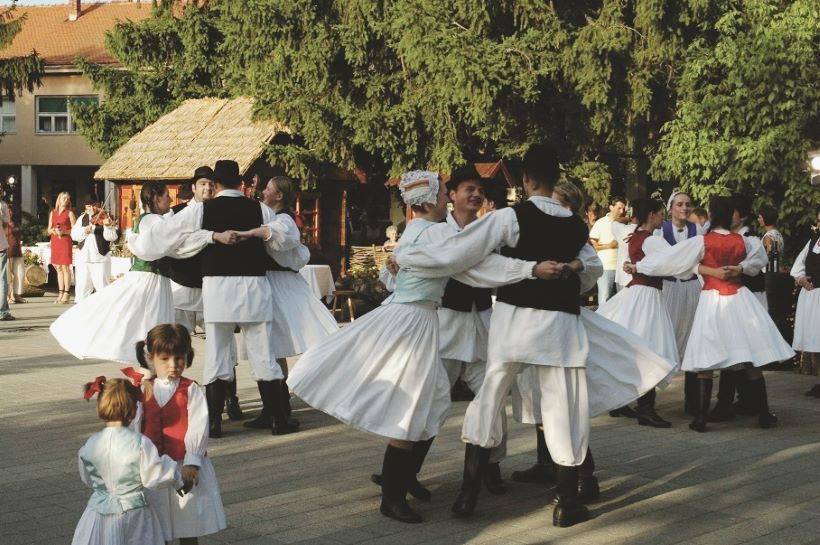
(382, 374)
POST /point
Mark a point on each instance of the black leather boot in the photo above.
(493, 480)
(215, 397)
(397, 468)
(544, 469)
(414, 487)
(264, 420)
(286, 398)
(588, 489)
(569, 510)
(757, 391)
(724, 410)
(475, 464)
(747, 404)
(690, 393)
(626, 411)
(646, 412)
(231, 401)
(703, 399)
(273, 398)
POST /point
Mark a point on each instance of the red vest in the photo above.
(720, 251)
(636, 253)
(166, 427)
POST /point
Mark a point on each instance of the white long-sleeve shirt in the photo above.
(237, 299)
(684, 257)
(799, 268)
(89, 252)
(196, 436)
(517, 334)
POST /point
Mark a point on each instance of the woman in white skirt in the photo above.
(107, 324)
(382, 374)
(806, 273)
(730, 326)
(640, 308)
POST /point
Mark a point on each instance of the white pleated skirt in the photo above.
(463, 335)
(681, 299)
(133, 527)
(732, 329)
(807, 321)
(641, 310)
(108, 324)
(381, 374)
(197, 513)
(300, 320)
(620, 368)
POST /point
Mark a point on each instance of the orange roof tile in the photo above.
(58, 40)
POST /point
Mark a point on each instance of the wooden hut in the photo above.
(202, 131)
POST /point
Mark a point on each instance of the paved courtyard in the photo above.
(735, 484)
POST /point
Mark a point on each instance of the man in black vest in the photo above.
(235, 292)
(94, 238)
(464, 316)
(535, 323)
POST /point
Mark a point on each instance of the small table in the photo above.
(320, 280)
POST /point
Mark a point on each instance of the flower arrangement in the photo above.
(30, 258)
(364, 281)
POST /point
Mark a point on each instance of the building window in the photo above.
(8, 117)
(54, 113)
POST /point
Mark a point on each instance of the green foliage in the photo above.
(749, 109)
(166, 61)
(17, 73)
(718, 95)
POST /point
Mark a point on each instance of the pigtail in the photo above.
(141, 356)
(190, 358)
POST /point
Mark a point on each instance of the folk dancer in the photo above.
(382, 374)
(730, 327)
(235, 292)
(681, 295)
(806, 274)
(640, 307)
(107, 324)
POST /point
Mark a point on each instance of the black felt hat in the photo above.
(226, 172)
(203, 172)
(462, 174)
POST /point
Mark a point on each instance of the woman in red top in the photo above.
(59, 225)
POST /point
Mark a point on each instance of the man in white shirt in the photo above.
(604, 242)
(5, 217)
(622, 233)
(93, 267)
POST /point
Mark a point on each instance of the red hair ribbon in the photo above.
(135, 376)
(95, 388)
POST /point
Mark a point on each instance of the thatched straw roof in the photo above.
(198, 132)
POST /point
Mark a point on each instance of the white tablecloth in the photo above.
(119, 265)
(320, 280)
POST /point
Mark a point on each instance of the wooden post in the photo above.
(343, 234)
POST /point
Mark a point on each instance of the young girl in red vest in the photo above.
(174, 415)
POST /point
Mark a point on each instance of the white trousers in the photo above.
(473, 375)
(189, 318)
(564, 410)
(89, 277)
(220, 351)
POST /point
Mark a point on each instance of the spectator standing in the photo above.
(5, 218)
(16, 267)
(772, 238)
(603, 240)
(60, 222)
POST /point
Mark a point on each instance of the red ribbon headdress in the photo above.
(95, 387)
